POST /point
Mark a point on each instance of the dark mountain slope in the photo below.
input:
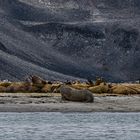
(67, 39)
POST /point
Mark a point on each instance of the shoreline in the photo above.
(57, 108)
(20, 102)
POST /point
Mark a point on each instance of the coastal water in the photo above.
(69, 126)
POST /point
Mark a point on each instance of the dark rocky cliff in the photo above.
(67, 39)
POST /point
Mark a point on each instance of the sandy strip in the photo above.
(16, 103)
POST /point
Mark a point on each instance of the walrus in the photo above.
(36, 79)
(72, 94)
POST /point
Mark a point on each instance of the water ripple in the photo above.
(69, 126)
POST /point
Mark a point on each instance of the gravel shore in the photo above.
(25, 102)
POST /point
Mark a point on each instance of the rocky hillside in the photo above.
(68, 39)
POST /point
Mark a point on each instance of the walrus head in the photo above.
(65, 89)
(65, 92)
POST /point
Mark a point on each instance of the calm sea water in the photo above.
(69, 126)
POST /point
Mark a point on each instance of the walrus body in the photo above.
(72, 94)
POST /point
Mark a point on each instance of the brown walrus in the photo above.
(72, 94)
(35, 79)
